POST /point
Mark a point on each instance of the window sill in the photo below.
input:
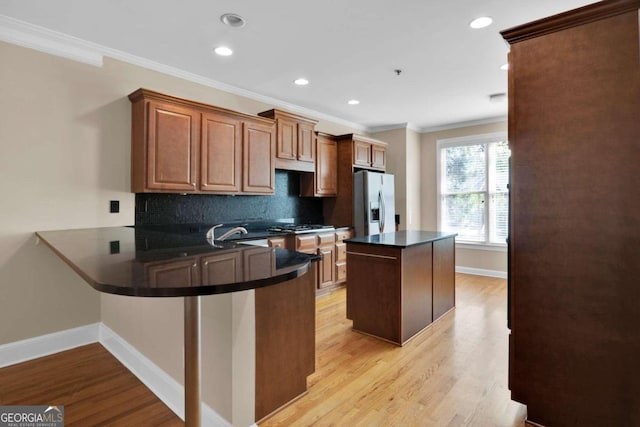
(482, 246)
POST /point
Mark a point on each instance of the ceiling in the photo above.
(346, 49)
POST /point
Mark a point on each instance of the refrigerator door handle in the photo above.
(382, 211)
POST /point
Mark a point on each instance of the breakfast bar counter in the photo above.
(146, 263)
(399, 283)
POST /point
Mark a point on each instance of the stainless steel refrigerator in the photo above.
(373, 203)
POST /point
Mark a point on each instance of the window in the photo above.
(473, 195)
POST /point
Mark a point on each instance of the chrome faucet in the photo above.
(233, 231)
(211, 232)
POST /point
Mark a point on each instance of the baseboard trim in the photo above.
(481, 272)
(157, 380)
(168, 390)
(44, 345)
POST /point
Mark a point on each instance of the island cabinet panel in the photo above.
(444, 265)
(221, 153)
(574, 82)
(281, 375)
(417, 290)
(392, 290)
(258, 158)
(172, 147)
(374, 301)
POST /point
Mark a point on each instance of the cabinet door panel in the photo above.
(327, 167)
(287, 139)
(181, 273)
(222, 269)
(306, 153)
(378, 157)
(220, 153)
(172, 146)
(258, 158)
(326, 267)
(361, 153)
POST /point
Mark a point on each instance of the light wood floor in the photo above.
(452, 374)
(94, 387)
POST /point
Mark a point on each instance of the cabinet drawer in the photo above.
(343, 235)
(306, 243)
(341, 272)
(341, 252)
(278, 242)
(326, 239)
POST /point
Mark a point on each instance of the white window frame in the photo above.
(467, 140)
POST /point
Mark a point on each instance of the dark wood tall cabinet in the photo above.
(574, 132)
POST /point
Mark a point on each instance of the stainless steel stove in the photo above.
(300, 228)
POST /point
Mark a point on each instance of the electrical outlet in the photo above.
(114, 206)
(114, 247)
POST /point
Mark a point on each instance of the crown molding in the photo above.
(42, 39)
(456, 125)
(384, 128)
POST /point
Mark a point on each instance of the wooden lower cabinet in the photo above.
(285, 321)
(332, 266)
(184, 271)
(341, 256)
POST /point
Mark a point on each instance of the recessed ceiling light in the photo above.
(482, 22)
(301, 81)
(223, 51)
(233, 20)
(353, 102)
(504, 67)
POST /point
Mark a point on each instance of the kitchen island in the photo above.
(147, 263)
(399, 283)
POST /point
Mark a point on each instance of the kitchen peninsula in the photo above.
(399, 283)
(141, 262)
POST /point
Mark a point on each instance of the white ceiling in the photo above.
(346, 48)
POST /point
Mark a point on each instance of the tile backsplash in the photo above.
(164, 209)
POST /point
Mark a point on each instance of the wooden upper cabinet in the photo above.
(378, 156)
(221, 153)
(366, 153)
(306, 138)
(258, 158)
(287, 147)
(361, 154)
(182, 146)
(171, 147)
(324, 182)
(295, 140)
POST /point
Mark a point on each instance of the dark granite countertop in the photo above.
(402, 239)
(142, 262)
